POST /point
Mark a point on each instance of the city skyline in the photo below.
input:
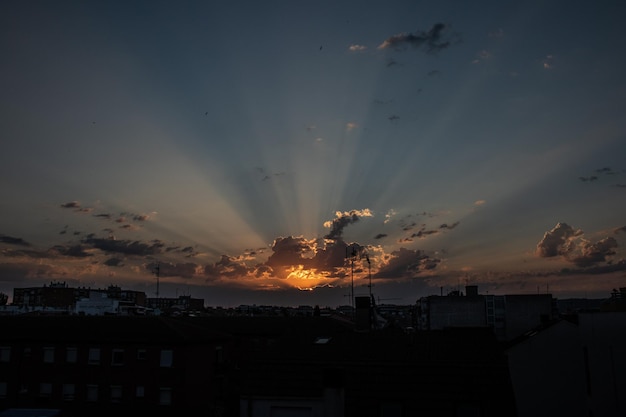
(250, 149)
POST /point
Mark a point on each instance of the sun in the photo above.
(306, 279)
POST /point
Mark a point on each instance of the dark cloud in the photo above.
(380, 236)
(589, 253)
(71, 204)
(75, 251)
(590, 179)
(288, 251)
(18, 241)
(620, 230)
(449, 226)
(114, 262)
(226, 267)
(432, 41)
(126, 247)
(406, 263)
(342, 220)
(103, 216)
(423, 233)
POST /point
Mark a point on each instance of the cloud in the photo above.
(557, 241)
(13, 241)
(127, 247)
(357, 48)
(432, 40)
(342, 220)
(389, 215)
(71, 204)
(567, 242)
(548, 62)
(350, 126)
(74, 251)
(449, 226)
(406, 263)
(589, 253)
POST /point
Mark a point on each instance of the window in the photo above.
(140, 391)
(68, 392)
(116, 393)
(141, 354)
(48, 354)
(45, 389)
(3, 390)
(94, 356)
(5, 353)
(71, 353)
(166, 358)
(92, 393)
(117, 357)
(165, 396)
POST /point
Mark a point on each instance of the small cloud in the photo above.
(548, 62)
(432, 40)
(393, 117)
(480, 202)
(380, 236)
(481, 56)
(18, 241)
(71, 204)
(498, 33)
(343, 219)
(350, 126)
(389, 215)
(357, 48)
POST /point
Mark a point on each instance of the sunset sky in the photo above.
(247, 147)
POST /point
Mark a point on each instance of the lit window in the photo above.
(117, 357)
(94, 356)
(92, 393)
(48, 354)
(71, 353)
(68, 392)
(5, 353)
(140, 391)
(167, 357)
(116, 393)
(45, 389)
(165, 396)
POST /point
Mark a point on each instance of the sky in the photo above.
(301, 153)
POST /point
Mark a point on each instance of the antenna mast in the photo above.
(156, 271)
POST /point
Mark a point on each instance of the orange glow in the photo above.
(306, 279)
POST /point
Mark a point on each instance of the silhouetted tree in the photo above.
(3, 299)
(316, 311)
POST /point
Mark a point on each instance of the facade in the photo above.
(507, 315)
(573, 368)
(182, 303)
(58, 295)
(97, 366)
